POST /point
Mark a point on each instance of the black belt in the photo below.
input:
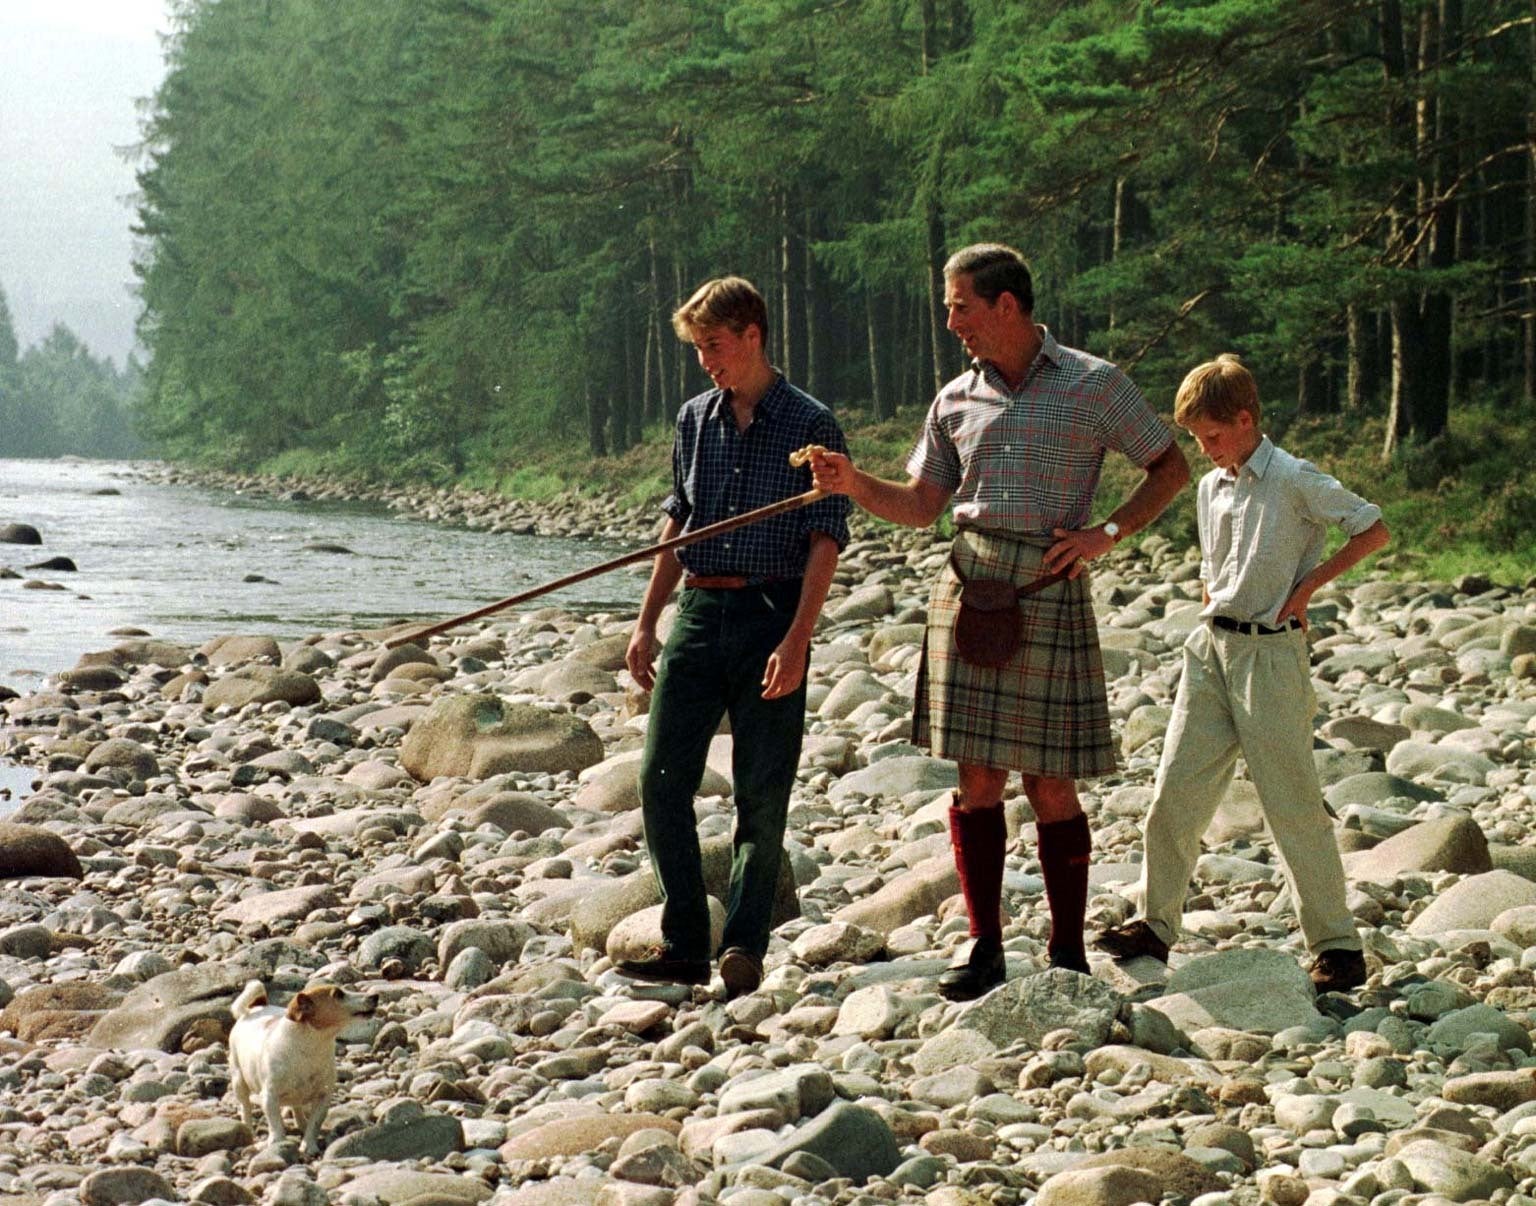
(1252, 628)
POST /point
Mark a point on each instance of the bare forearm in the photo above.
(1353, 551)
(914, 503)
(666, 572)
(820, 564)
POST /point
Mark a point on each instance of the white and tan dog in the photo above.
(287, 1057)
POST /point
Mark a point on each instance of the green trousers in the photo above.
(713, 666)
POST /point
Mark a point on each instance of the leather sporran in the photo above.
(987, 631)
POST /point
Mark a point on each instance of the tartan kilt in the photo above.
(1045, 711)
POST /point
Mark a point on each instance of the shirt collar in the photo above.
(1050, 352)
(1258, 463)
(767, 405)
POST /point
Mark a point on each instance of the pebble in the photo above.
(272, 829)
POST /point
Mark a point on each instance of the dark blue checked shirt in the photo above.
(719, 472)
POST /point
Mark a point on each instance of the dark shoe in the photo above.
(1338, 971)
(982, 970)
(1132, 940)
(1074, 961)
(661, 965)
(741, 970)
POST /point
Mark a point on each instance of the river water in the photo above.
(172, 559)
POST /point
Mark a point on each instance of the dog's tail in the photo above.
(252, 996)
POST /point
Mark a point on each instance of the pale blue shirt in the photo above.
(1264, 528)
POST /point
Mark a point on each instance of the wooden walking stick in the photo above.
(677, 542)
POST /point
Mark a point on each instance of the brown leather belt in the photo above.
(716, 582)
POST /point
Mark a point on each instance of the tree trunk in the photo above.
(636, 393)
(597, 419)
(1440, 35)
(1403, 311)
(788, 337)
(661, 333)
(674, 401)
(1358, 384)
(619, 397)
(811, 309)
(879, 397)
(1528, 312)
(649, 392)
(1116, 237)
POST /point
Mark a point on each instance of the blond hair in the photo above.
(1218, 390)
(732, 302)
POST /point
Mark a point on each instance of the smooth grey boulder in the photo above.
(1439, 1168)
(1473, 903)
(1027, 1008)
(425, 1137)
(478, 736)
(852, 1138)
(120, 754)
(19, 533)
(235, 650)
(155, 1015)
(285, 904)
(1455, 1028)
(1449, 843)
(401, 942)
(596, 910)
(260, 685)
(892, 778)
(913, 894)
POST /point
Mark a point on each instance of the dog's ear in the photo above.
(301, 1008)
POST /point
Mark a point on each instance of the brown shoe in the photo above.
(1338, 971)
(660, 964)
(981, 970)
(741, 970)
(1132, 940)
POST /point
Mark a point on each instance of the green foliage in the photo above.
(443, 238)
(57, 399)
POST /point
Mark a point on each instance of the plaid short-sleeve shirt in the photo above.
(719, 472)
(1028, 460)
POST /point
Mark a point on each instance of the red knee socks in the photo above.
(1064, 850)
(980, 839)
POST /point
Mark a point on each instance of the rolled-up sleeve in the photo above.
(1327, 501)
(830, 514)
(677, 505)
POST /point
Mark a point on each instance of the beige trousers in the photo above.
(1248, 695)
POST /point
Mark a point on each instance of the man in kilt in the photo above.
(1017, 444)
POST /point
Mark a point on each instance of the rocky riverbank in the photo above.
(454, 827)
(569, 514)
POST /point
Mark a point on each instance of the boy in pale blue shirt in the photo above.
(1247, 686)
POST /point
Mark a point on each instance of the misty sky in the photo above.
(70, 71)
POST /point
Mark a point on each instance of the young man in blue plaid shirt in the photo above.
(742, 637)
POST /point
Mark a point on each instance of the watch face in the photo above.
(1112, 529)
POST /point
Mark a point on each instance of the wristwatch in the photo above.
(1112, 530)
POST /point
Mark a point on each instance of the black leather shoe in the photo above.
(661, 965)
(981, 970)
(741, 970)
(1074, 961)
(1132, 940)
